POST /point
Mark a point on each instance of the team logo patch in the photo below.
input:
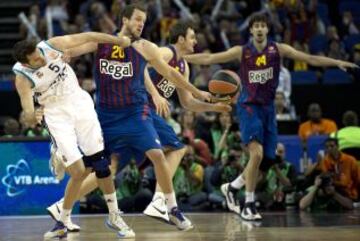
(39, 74)
(117, 70)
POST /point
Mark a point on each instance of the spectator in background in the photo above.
(349, 135)
(332, 33)
(11, 128)
(316, 125)
(348, 26)
(220, 134)
(336, 50)
(285, 83)
(188, 182)
(297, 64)
(336, 187)
(279, 181)
(283, 110)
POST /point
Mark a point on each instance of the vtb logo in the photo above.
(261, 60)
(16, 178)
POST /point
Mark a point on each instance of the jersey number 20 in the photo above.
(117, 52)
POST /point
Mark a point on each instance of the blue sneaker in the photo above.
(59, 231)
(177, 218)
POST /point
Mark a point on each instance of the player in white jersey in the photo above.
(42, 72)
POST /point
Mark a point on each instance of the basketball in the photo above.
(224, 83)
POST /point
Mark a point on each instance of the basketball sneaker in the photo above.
(55, 210)
(249, 212)
(232, 203)
(59, 231)
(56, 163)
(115, 222)
(179, 220)
(157, 209)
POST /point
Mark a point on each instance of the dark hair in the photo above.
(332, 139)
(179, 29)
(350, 118)
(22, 49)
(129, 9)
(258, 17)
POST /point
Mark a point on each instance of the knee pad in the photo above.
(100, 164)
(266, 164)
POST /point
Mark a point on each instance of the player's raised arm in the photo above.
(289, 52)
(66, 42)
(23, 87)
(189, 102)
(215, 58)
(153, 56)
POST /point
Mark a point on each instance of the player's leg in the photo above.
(251, 131)
(174, 152)
(92, 144)
(64, 136)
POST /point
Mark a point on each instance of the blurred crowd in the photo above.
(215, 152)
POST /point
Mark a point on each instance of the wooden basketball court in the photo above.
(287, 226)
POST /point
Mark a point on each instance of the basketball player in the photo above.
(70, 116)
(259, 73)
(122, 102)
(183, 40)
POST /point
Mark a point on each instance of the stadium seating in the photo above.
(303, 78)
(336, 76)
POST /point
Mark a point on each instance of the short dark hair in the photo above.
(129, 9)
(332, 139)
(22, 49)
(350, 118)
(259, 17)
(179, 29)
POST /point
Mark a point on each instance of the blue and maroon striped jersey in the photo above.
(119, 77)
(259, 73)
(164, 86)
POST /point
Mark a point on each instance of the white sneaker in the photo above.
(115, 222)
(231, 202)
(56, 163)
(179, 219)
(250, 213)
(58, 232)
(157, 209)
(55, 210)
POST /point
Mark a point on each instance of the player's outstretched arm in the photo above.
(215, 58)
(23, 87)
(152, 54)
(189, 102)
(289, 52)
(66, 42)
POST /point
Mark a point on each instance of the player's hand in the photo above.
(317, 181)
(222, 107)
(30, 119)
(124, 41)
(39, 114)
(204, 96)
(225, 99)
(66, 57)
(344, 65)
(162, 106)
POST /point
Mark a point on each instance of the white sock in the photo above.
(170, 200)
(238, 183)
(249, 197)
(158, 195)
(65, 215)
(111, 202)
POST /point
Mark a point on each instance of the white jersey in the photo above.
(53, 81)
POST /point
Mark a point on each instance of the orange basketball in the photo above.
(224, 83)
